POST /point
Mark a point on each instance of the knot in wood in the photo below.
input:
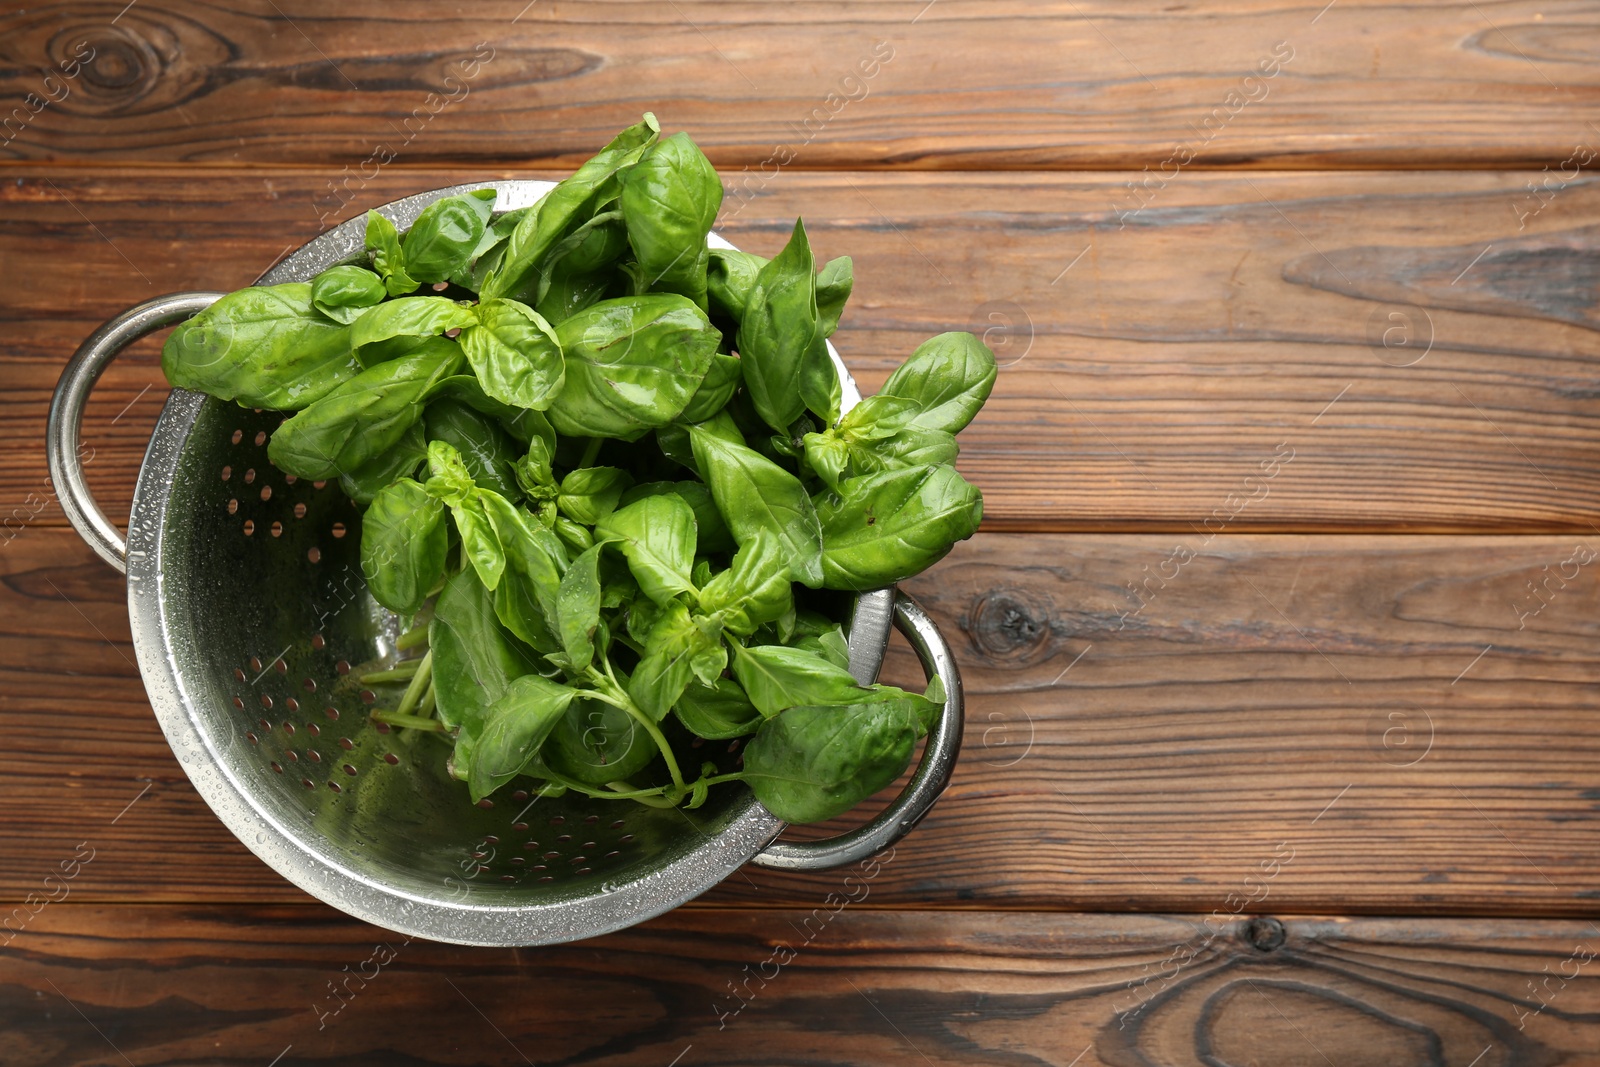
(1265, 933)
(1009, 623)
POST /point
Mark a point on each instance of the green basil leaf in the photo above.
(486, 449)
(446, 235)
(657, 535)
(403, 545)
(363, 418)
(716, 388)
(408, 317)
(881, 528)
(589, 494)
(777, 331)
(671, 648)
(718, 712)
(523, 424)
(712, 535)
(834, 283)
(828, 456)
(710, 661)
(383, 244)
(777, 677)
(820, 387)
(596, 743)
(566, 207)
(670, 199)
(831, 644)
(730, 276)
(753, 493)
(474, 657)
(575, 536)
(754, 590)
(878, 417)
(949, 376)
(631, 364)
(578, 608)
(525, 598)
(342, 293)
(581, 266)
(514, 353)
(264, 346)
(567, 294)
(364, 483)
(595, 246)
(812, 763)
(914, 446)
(450, 481)
(514, 730)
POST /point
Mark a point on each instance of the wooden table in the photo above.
(1279, 635)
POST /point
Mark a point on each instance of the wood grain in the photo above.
(1365, 709)
(161, 985)
(1429, 365)
(957, 84)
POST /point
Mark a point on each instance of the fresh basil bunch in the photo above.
(608, 484)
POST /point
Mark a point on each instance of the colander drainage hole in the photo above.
(238, 435)
(249, 527)
(227, 472)
(299, 511)
(255, 664)
(266, 494)
(238, 674)
(233, 506)
(318, 641)
(276, 529)
(261, 438)
(249, 476)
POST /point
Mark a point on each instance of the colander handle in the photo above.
(64, 432)
(930, 779)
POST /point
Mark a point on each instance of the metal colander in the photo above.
(252, 625)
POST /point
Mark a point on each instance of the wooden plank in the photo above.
(840, 984)
(952, 84)
(1153, 370)
(1365, 709)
